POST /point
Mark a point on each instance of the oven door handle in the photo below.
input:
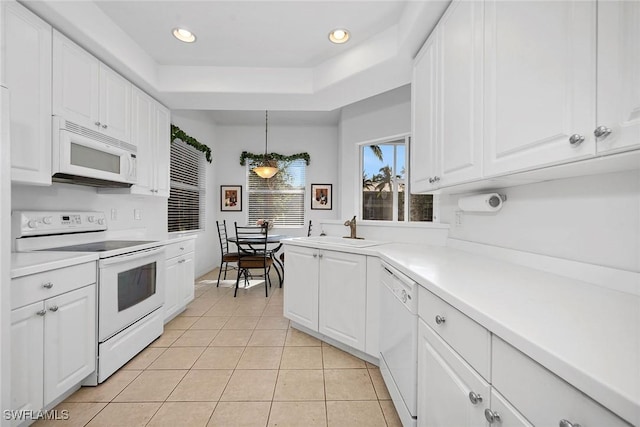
(132, 256)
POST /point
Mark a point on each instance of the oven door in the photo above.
(130, 287)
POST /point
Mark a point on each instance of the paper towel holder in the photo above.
(490, 202)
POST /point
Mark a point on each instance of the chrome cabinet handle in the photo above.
(104, 126)
(181, 261)
(475, 398)
(576, 139)
(565, 423)
(320, 255)
(602, 132)
(181, 248)
(430, 180)
(440, 319)
(48, 285)
(315, 255)
(41, 312)
(97, 123)
(53, 308)
(492, 417)
(436, 178)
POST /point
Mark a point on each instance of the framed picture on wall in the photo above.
(231, 198)
(321, 196)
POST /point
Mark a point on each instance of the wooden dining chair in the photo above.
(253, 254)
(226, 257)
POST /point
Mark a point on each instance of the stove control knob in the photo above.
(47, 220)
(101, 221)
(91, 218)
(32, 224)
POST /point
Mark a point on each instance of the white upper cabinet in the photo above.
(27, 70)
(540, 78)
(87, 92)
(423, 97)
(618, 76)
(459, 126)
(150, 132)
(447, 101)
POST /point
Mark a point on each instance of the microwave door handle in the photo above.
(132, 256)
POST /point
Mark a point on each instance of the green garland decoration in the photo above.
(177, 133)
(273, 156)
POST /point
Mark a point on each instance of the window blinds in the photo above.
(281, 198)
(187, 196)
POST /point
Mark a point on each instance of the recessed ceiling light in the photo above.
(339, 36)
(184, 35)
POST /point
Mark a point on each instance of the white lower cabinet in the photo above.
(53, 347)
(447, 385)
(180, 286)
(326, 292)
(457, 388)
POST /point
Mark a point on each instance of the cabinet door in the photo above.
(27, 62)
(27, 332)
(509, 416)
(115, 104)
(539, 83)
(142, 131)
(424, 94)
(343, 296)
(459, 130)
(70, 340)
(187, 272)
(76, 87)
(619, 74)
(445, 382)
(301, 289)
(162, 148)
(173, 295)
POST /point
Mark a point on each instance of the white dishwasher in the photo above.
(399, 341)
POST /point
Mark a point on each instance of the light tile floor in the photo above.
(235, 362)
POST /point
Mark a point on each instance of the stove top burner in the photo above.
(107, 245)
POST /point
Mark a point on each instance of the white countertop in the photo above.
(586, 334)
(25, 263)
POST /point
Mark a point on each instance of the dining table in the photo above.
(272, 239)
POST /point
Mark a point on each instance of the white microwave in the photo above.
(84, 156)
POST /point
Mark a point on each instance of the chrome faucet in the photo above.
(352, 227)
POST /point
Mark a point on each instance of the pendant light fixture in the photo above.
(266, 169)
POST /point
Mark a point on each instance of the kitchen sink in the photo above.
(342, 241)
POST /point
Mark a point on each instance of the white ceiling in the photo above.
(251, 55)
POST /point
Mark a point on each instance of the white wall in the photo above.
(153, 222)
(593, 219)
(321, 142)
(381, 116)
(199, 125)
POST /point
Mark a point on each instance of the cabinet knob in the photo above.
(475, 398)
(97, 123)
(41, 312)
(492, 417)
(440, 319)
(576, 139)
(602, 132)
(430, 180)
(315, 255)
(104, 126)
(320, 255)
(53, 308)
(565, 423)
(48, 285)
(181, 248)
(436, 179)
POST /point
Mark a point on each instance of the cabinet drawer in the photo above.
(468, 338)
(28, 289)
(180, 248)
(542, 397)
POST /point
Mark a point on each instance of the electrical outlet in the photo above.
(137, 214)
(114, 214)
(459, 217)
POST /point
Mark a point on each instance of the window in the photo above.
(385, 184)
(281, 198)
(187, 193)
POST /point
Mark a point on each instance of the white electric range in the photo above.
(131, 279)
